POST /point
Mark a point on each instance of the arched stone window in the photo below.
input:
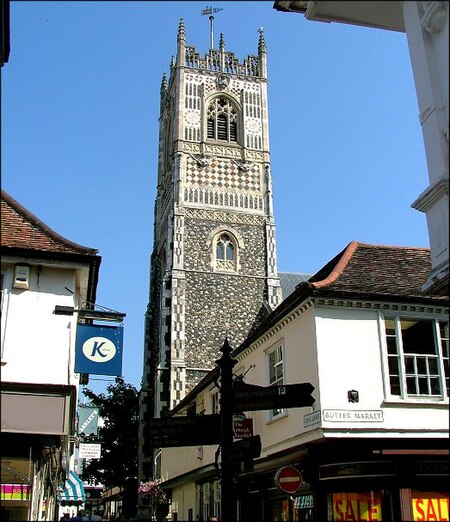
(225, 252)
(222, 120)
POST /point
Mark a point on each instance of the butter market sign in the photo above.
(352, 416)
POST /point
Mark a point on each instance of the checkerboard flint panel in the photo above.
(224, 174)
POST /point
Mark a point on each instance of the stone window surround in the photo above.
(212, 242)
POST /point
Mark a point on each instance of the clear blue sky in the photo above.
(80, 108)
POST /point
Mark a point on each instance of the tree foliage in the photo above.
(118, 464)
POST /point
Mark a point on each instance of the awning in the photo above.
(73, 492)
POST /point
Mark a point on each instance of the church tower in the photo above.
(214, 264)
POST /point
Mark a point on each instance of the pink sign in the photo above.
(15, 492)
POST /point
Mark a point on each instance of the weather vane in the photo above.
(210, 11)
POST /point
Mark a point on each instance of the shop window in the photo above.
(304, 507)
(429, 505)
(354, 506)
(417, 352)
(217, 496)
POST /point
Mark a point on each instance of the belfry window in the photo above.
(225, 253)
(222, 119)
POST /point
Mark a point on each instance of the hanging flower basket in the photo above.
(154, 497)
(152, 491)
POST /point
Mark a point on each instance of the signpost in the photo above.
(288, 479)
(166, 432)
(249, 397)
(246, 449)
(235, 397)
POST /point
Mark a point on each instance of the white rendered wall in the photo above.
(335, 349)
(39, 346)
(426, 25)
(350, 358)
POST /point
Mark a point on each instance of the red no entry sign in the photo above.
(289, 479)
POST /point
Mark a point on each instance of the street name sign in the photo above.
(199, 430)
(249, 397)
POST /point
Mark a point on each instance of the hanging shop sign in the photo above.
(242, 428)
(99, 349)
(87, 420)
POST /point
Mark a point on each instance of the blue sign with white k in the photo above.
(99, 350)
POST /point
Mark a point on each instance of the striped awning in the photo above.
(74, 490)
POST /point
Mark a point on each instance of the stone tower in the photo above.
(214, 263)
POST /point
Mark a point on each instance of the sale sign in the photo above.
(15, 492)
(429, 506)
(357, 506)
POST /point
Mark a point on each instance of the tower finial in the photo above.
(181, 31)
(262, 42)
(221, 42)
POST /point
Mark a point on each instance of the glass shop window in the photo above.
(355, 506)
(428, 505)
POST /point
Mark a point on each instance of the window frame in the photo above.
(6, 282)
(277, 413)
(229, 122)
(224, 264)
(215, 402)
(403, 356)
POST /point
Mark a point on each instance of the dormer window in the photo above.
(222, 118)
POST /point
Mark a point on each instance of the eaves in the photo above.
(307, 295)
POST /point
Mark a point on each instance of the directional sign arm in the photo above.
(199, 430)
(249, 397)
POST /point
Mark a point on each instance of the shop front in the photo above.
(352, 481)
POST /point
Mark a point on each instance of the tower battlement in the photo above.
(220, 60)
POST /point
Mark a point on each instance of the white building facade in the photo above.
(41, 271)
(373, 446)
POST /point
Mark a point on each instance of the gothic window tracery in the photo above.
(222, 118)
(225, 252)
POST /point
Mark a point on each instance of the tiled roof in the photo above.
(362, 271)
(376, 269)
(21, 229)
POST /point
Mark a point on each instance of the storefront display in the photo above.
(429, 505)
(355, 506)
